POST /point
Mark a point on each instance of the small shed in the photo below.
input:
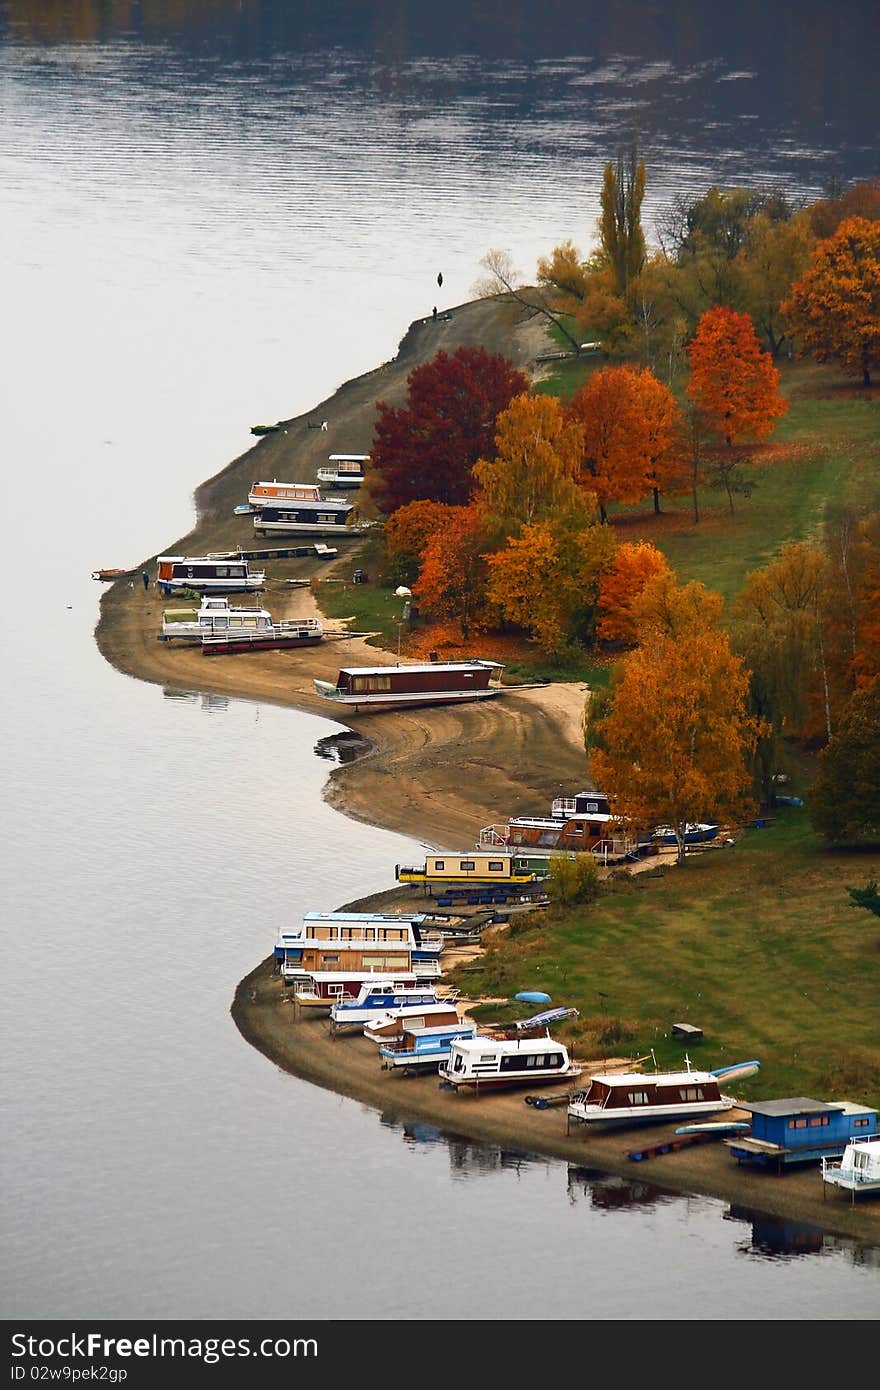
(800, 1130)
(689, 1031)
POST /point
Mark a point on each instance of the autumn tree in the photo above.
(844, 801)
(502, 279)
(666, 608)
(452, 581)
(405, 536)
(428, 447)
(774, 255)
(733, 384)
(546, 581)
(834, 309)
(632, 435)
(620, 222)
(859, 200)
(633, 566)
(533, 474)
(674, 746)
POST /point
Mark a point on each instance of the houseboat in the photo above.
(615, 1100)
(215, 614)
(858, 1172)
(207, 574)
(327, 517)
(359, 941)
(291, 632)
(477, 869)
(581, 822)
(400, 686)
(275, 494)
(487, 1063)
(800, 1130)
(423, 1049)
(319, 991)
(392, 1023)
(344, 470)
(377, 998)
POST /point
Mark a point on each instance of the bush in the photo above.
(573, 879)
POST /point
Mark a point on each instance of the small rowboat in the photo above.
(110, 574)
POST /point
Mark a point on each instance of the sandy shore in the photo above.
(439, 774)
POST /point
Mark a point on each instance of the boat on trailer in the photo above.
(215, 574)
(422, 683)
(489, 1063)
(218, 626)
(423, 1049)
(375, 998)
(393, 1022)
(344, 470)
(615, 1100)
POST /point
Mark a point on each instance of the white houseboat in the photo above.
(344, 470)
(858, 1172)
(619, 1099)
(400, 686)
(212, 574)
(215, 614)
(275, 494)
(487, 1063)
(319, 991)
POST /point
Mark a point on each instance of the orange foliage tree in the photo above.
(632, 435)
(406, 534)
(674, 744)
(835, 307)
(533, 475)
(634, 564)
(669, 609)
(733, 384)
(547, 579)
(452, 581)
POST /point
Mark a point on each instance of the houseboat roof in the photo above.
(393, 919)
(348, 458)
(625, 1079)
(486, 1043)
(804, 1105)
(419, 667)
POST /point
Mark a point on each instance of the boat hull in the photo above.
(597, 1118)
(218, 646)
(406, 699)
(509, 1081)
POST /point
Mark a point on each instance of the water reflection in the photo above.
(609, 1191)
(467, 1157)
(210, 703)
(774, 1237)
(343, 748)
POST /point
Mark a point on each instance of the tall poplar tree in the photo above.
(620, 224)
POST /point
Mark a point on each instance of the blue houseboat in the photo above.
(799, 1130)
(423, 1049)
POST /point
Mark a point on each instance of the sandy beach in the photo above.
(441, 773)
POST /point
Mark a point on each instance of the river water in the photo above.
(213, 215)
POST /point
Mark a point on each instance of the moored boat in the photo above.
(216, 574)
(615, 1100)
(215, 614)
(275, 494)
(376, 997)
(392, 1022)
(859, 1169)
(421, 683)
(343, 470)
(322, 517)
(367, 941)
(424, 1048)
(477, 869)
(489, 1063)
(695, 833)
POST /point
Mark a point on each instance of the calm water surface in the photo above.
(209, 222)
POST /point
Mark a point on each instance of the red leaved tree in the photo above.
(406, 534)
(427, 448)
(452, 582)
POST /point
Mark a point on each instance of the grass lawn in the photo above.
(756, 943)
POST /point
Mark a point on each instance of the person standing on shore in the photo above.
(146, 578)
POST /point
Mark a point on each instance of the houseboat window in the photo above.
(236, 571)
(222, 572)
(487, 1059)
(592, 807)
(364, 684)
(440, 864)
(336, 989)
(466, 865)
(637, 1097)
(692, 1092)
(577, 830)
(816, 1121)
(496, 866)
(595, 829)
(862, 1123)
(797, 1124)
(331, 959)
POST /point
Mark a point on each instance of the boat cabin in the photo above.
(275, 494)
(207, 574)
(478, 868)
(320, 989)
(575, 823)
(215, 615)
(393, 1022)
(363, 940)
(374, 998)
(324, 517)
(859, 1169)
(485, 1063)
(423, 1048)
(619, 1099)
(395, 687)
(344, 470)
(800, 1130)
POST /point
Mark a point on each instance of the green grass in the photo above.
(755, 943)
